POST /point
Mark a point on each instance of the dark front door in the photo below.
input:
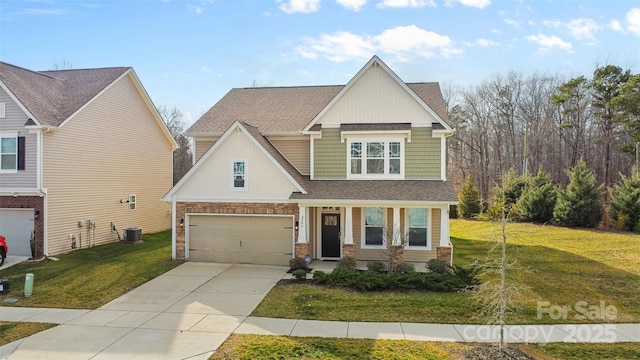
(331, 235)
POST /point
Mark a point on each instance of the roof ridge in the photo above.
(285, 87)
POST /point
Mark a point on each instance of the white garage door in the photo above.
(241, 239)
(16, 225)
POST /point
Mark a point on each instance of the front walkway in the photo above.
(188, 312)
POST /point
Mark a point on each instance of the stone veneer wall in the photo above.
(28, 202)
(183, 208)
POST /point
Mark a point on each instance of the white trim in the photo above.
(174, 229)
(187, 217)
(429, 230)
(445, 236)
(302, 225)
(312, 157)
(348, 225)
(232, 199)
(363, 164)
(134, 202)
(363, 228)
(443, 158)
(244, 174)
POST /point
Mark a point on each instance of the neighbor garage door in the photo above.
(16, 225)
(241, 239)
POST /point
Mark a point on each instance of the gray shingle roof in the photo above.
(53, 96)
(287, 109)
(406, 190)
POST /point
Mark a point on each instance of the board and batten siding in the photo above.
(296, 152)
(110, 149)
(14, 121)
(422, 155)
(376, 98)
(202, 145)
(330, 156)
(213, 180)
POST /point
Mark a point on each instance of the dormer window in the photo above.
(376, 158)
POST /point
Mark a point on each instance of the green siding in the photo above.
(330, 156)
(422, 155)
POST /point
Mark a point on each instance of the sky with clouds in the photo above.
(189, 53)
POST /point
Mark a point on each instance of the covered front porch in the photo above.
(409, 231)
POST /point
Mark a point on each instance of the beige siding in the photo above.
(13, 121)
(376, 98)
(422, 155)
(330, 156)
(382, 254)
(202, 145)
(213, 180)
(296, 151)
(112, 148)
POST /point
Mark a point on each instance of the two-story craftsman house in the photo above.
(319, 171)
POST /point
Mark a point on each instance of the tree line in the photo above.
(544, 122)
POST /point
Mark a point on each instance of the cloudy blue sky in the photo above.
(189, 53)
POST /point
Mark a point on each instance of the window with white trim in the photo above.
(239, 175)
(132, 202)
(373, 227)
(418, 228)
(9, 153)
(376, 158)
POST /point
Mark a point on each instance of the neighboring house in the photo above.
(83, 152)
(318, 171)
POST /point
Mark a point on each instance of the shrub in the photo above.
(405, 268)
(510, 189)
(537, 200)
(377, 266)
(438, 266)
(624, 209)
(299, 274)
(346, 262)
(297, 263)
(580, 204)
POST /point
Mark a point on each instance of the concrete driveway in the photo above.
(185, 313)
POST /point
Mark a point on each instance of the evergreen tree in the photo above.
(538, 199)
(469, 199)
(580, 204)
(625, 203)
(509, 190)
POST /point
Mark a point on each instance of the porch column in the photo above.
(396, 226)
(302, 224)
(348, 225)
(444, 226)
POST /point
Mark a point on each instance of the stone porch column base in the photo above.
(349, 250)
(444, 254)
(302, 250)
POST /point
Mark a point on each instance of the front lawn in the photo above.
(249, 347)
(90, 278)
(557, 265)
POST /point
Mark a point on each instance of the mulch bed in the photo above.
(491, 352)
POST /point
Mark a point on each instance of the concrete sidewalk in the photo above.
(188, 312)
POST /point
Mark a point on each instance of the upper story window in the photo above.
(376, 158)
(239, 175)
(12, 152)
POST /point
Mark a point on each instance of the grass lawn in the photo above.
(249, 347)
(12, 331)
(90, 278)
(558, 265)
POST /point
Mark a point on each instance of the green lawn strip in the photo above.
(12, 331)
(89, 278)
(326, 303)
(557, 265)
(574, 351)
(250, 347)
